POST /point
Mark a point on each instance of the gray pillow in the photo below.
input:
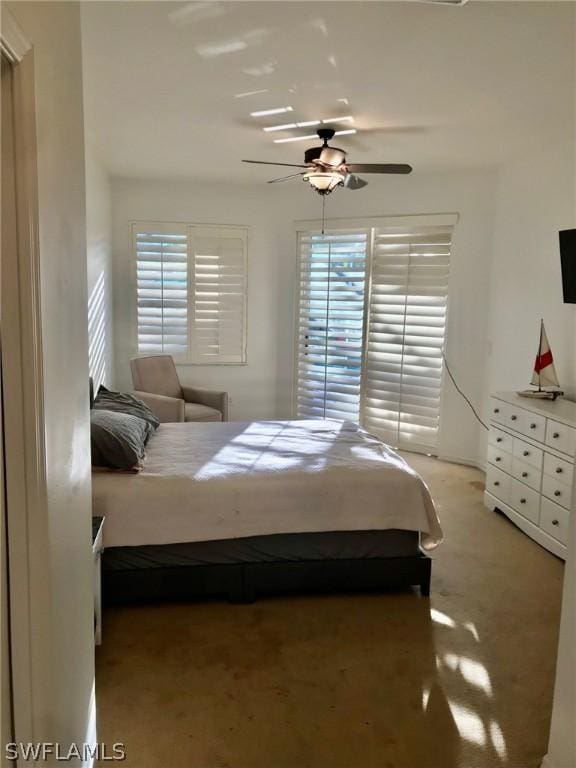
(122, 402)
(117, 440)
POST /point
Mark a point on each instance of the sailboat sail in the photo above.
(544, 372)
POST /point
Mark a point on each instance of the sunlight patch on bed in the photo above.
(273, 446)
(233, 460)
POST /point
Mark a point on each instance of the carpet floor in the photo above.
(463, 680)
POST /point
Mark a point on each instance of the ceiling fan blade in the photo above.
(379, 168)
(285, 178)
(354, 182)
(265, 162)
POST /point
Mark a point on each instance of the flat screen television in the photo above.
(568, 259)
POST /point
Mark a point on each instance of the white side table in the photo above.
(97, 548)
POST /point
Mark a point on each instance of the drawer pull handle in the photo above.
(513, 418)
(532, 426)
(496, 410)
(496, 482)
(498, 439)
(524, 474)
(556, 435)
(559, 470)
(557, 493)
(522, 501)
(526, 453)
(554, 522)
(498, 458)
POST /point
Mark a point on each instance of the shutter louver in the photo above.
(330, 324)
(162, 290)
(218, 295)
(405, 335)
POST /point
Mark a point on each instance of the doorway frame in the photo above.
(25, 447)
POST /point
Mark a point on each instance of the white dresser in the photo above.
(530, 470)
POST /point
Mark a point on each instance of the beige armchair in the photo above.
(156, 382)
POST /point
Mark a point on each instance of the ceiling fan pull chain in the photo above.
(323, 212)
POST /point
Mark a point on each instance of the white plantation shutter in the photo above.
(218, 294)
(405, 334)
(330, 324)
(191, 291)
(162, 288)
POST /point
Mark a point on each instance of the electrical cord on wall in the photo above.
(449, 372)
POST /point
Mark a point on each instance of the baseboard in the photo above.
(481, 465)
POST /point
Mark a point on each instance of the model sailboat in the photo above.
(544, 374)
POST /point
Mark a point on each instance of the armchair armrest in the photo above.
(164, 408)
(209, 397)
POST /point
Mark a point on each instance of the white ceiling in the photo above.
(435, 86)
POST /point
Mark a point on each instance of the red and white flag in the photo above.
(544, 372)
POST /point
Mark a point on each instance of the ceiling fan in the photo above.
(326, 167)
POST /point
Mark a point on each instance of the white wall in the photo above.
(99, 270)
(535, 198)
(262, 388)
(63, 647)
(253, 387)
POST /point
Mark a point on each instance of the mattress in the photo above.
(233, 480)
(284, 547)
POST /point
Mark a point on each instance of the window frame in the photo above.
(180, 227)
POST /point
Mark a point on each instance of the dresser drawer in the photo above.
(558, 468)
(526, 473)
(525, 501)
(499, 411)
(557, 491)
(561, 437)
(500, 439)
(531, 424)
(498, 457)
(514, 418)
(554, 520)
(528, 453)
(498, 484)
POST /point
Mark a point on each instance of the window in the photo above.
(372, 319)
(191, 291)
(331, 321)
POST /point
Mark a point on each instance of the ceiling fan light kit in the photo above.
(324, 182)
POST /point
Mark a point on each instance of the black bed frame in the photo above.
(244, 582)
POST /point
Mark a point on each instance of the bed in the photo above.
(248, 509)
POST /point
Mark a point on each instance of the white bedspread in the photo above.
(219, 481)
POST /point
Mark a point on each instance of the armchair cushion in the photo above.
(166, 409)
(198, 412)
(208, 397)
